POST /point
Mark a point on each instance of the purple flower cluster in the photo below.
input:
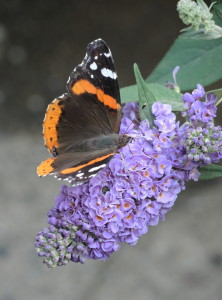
(202, 140)
(136, 189)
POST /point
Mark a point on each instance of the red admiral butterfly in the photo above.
(81, 127)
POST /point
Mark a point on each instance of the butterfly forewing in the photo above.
(80, 120)
(97, 76)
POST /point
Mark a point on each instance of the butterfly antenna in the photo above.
(125, 167)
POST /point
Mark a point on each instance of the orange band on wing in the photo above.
(45, 168)
(72, 170)
(50, 122)
(84, 86)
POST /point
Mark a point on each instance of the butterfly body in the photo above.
(81, 128)
(111, 141)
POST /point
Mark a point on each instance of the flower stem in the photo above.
(218, 102)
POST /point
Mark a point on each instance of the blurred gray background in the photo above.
(40, 43)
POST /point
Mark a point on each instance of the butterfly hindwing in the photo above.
(80, 166)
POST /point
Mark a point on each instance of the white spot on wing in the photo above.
(107, 54)
(92, 175)
(93, 66)
(97, 168)
(96, 57)
(108, 73)
(62, 96)
(92, 76)
(79, 175)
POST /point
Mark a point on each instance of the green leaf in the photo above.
(209, 172)
(201, 35)
(146, 98)
(166, 96)
(160, 93)
(200, 61)
(129, 94)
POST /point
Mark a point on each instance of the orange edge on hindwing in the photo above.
(72, 170)
(50, 122)
(84, 86)
(45, 168)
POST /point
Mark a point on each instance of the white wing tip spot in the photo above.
(108, 73)
(93, 66)
(108, 54)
